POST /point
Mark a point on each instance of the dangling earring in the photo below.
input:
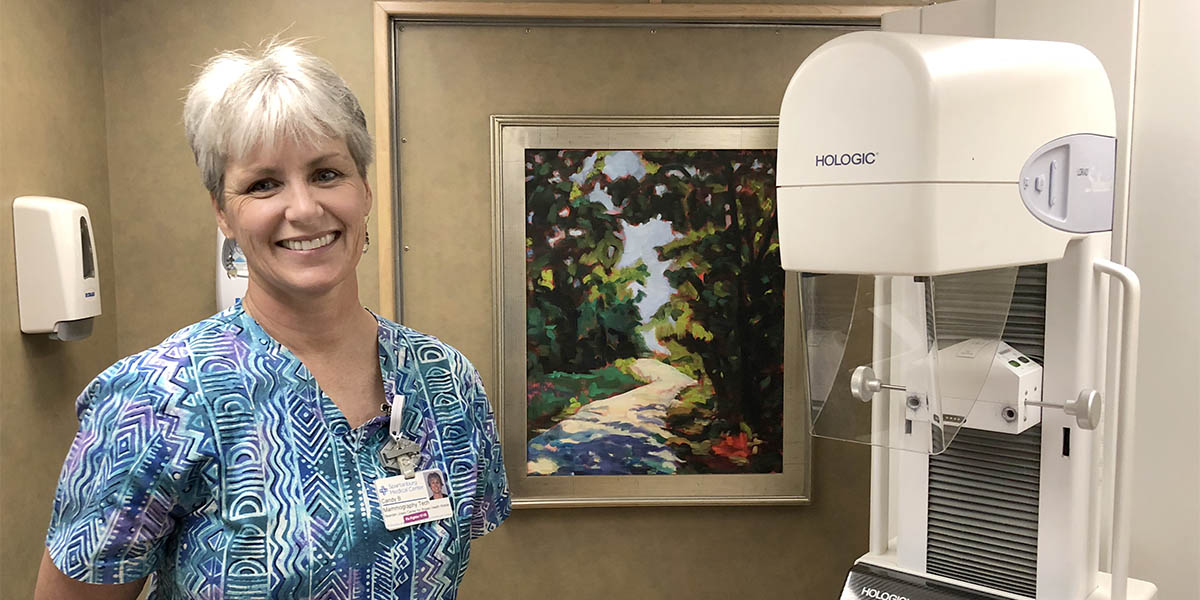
(366, 234)
(228, 249)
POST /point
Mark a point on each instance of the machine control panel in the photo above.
(1068, 183)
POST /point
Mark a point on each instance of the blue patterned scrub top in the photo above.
(214, 461)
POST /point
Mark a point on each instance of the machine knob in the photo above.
(1086, 408)
(864, 384)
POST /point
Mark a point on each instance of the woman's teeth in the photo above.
(324, 240)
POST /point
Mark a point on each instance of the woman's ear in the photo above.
(222, 222)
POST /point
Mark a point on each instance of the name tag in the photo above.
(407, 502)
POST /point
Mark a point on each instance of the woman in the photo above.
(241, 457)
(436, 488)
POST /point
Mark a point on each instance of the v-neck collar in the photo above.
(393, 363)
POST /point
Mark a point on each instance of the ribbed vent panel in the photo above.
(983, 510)
(1026, 326)
(964, 301)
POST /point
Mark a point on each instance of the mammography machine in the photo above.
(949, 202)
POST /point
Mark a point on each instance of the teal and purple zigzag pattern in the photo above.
(215, 462)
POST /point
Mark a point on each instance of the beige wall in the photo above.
(51, 143)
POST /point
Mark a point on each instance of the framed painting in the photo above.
(647, 337)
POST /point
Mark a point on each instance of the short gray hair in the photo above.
(242, 99)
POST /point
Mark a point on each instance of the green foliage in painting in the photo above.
(727, 309)
(581, 312)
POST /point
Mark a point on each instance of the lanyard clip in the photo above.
(400, 455)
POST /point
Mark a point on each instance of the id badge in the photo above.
(411, 501)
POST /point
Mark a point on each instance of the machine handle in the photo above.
(1122, 483)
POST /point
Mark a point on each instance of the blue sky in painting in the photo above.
(623, 163)
(640, 243)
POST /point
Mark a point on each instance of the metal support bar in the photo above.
(880, 428)
(1122, 482)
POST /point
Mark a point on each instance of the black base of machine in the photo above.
(869, 582)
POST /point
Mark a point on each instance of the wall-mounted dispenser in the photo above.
(58, 282)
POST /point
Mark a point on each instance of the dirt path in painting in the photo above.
(624, 434)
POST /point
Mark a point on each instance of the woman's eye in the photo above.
(260, 186)
(326, 175)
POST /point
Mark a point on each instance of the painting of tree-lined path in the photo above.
(654, 313)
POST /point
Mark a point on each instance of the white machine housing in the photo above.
(58, 275)
(948, 123)
(920, 155)
(1002, 406)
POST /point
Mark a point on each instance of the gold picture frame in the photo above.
(512, 137)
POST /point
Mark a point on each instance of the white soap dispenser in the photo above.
(58, 282)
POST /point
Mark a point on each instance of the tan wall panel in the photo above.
(52, 119)
(151, 52)
(451, 80)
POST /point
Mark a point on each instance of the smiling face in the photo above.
(298, 213)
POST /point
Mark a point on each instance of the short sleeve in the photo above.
(492, 500)
(135, 467)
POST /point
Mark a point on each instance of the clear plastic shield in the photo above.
(900, 361)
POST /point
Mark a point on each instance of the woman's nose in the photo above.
(302, 203)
